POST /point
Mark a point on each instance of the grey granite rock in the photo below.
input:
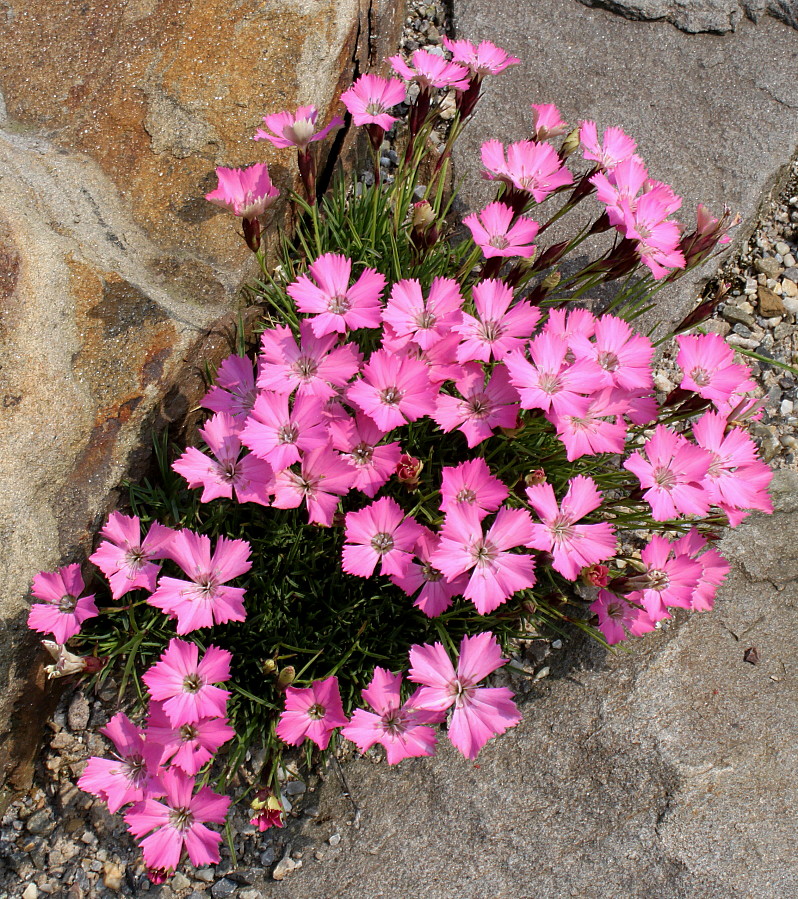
(692, 16)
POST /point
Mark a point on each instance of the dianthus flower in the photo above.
(359, 441)
(479, 712)
(379, 533)
(295, 129)
(623, 357)
(484, 59)
(573, 546)
(324, 476)
(565, 323)
(546, 121)
(669, 579)
(618, 189)
(714, 568)
(495, 573)
(268, 811)
(423, 321)
(125, 559)
(616, 616)
(185, 685)
(227, 471)
(280, 433)
(657, 240)
(498, 328)
(203, 600)
(178, 823)
(311, 712)
(615, 148)
(472, 483)
(399, 728)
(529, 166)
(709, 368)
(593, 425)
(234, 391)
(64, 609)
(481, 407)
(497, 235)
(370, 98)
(430, 70)
(188, 746)
(436, 593)
(132, 775)
(336, 306)
(247, 192)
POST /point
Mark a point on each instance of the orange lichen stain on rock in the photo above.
(10, 260)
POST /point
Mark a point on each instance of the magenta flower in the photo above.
(615, 148)
(529, 166)
(203, 600)
(132, 775)
(618, 189)
(481, 60)
(268, 809)
(227, 471)
(430, 70)
(178, 823)
(436, 592)
(714, 568)
(311, 712)
(323, 478)
(573, 546)
(623, 357)
(125, 559)
(709, 368)
(495, 233)
(657, 240)
(359, 441)
(393, 390)
(498, 329)
(399, 728)
(546, 121)
(593, 425)
(185, 685)
(188, 746)
(379, 533)
(247, 192)
(481, 407)
(295, 129)
(370, 98)
(472, 483)
(280, 433)
(336, 305)
(495, 573)
(672, 474)
(669, 579)
(64, 609)
(616, 616)
(479, 712)
(424, 321)
(566, 323)
(234, 391)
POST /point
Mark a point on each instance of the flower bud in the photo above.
(268, 666)
(538, 476)
(286, 677)
(408, 469)
(551, 281)
(570, 144)
(268, 809)
(595, 575)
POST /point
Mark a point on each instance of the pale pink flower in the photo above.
(479, 712)
(436, 593)
(324, 476)
(311, 712)
(615, 147)
(657, 239)
(484, 59)
(380, 533)
(714, 568)
(495, 573)
(623, 357)
(430, 70)
(359, 441)
(227, 472)
(669, 579)
(617, 615)
(178, 823)
(247, 192)
(399, 728)
(529, 166)
(497, 235)
(472, 483)
(336, 305)
(125, 559)
(440, 359)
(619, 188)
(546, 121)
(295, 129)
(132, 775)
(280, 433)
(498, 328)
(671, 473)
(370, 98)
(424, 321)
(203, 600)
(315, 366)
(709, 368)
(393, 390)
(565, 323)
(64, 609)
(709, 233)
(185, 684)
(234, 391)
(573, 546)
(188, 746)
(481, 407)
(592, 425)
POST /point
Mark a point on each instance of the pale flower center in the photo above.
(375, 107)
(228, 471)
(483, 554)
(134, 559)
(192, 683)
(382, 542)
(462, 693)
(700, 376)
(135, 770)
(188, 732)
(391, 396)
(430, 574)
(362, 454)
(549, 383)
(479, 406)
(425, 320)
(466, 495)
(306, 368)
(316, 711)
(499, 242)
(664, 477)
(658, 580)
(67, 603)
(490, 331)
(561, 529)
(608, 360)
(338, 305)
(301, 132)
(287, 434)
(181, 818)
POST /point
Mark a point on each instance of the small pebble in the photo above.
(31, 891)
(223, 887)
(180, 881)
(335, 839)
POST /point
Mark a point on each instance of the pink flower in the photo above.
(616, 615)
(281, 434)
(379, 533)
(546, 121)
(483, 407)
(247, 192)
(495, 233)
(709, 368)
(498, 329)
(657, 240)
(185, 685)
(336, 305)
(64, 609)
(714, 568)
(399, 728)
(565, 323)
(593, 425)
(672, 475)
(131, 775)
(234, 391)
(618, 189)
(425, 322)
(311, 712)
(616, 147)
(249, 477)
(529, 166)
(268, 809)
(125, 559)
(323, 478)
(479, 712)
(623, 357)
(359, 440)
(430, 70)
(485, 59)
(574, 546)
(188, 746)
(295, 129)
(203, 600)
(393, 390)
(316, 366)
(709, 233)
(670, 579)
(370, 98)
(436, 593)
(496, 573)
(178, 823)
(472, 483)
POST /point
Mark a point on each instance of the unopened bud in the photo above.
(268, 666)
(596, 575)
(286, 677)
(408, 469)
(570, 144)
(538, 476)
(551, 281)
